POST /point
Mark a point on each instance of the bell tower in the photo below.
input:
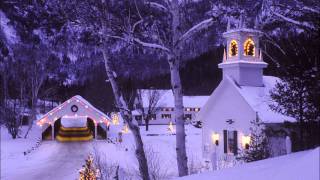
(242, 60)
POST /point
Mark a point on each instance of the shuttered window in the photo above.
(225, 145)
(235, 145)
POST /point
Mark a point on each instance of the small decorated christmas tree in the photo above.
(89, 171)
(258, 148)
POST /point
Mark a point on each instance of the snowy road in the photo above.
(51, 161)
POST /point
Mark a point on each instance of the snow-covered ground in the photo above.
(55, 160)
(296, 166)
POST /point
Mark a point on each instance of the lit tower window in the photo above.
(249, 47)
(233, 49)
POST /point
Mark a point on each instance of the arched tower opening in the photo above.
(233, 48)
(248, 47)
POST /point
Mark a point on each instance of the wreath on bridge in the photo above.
(74, 108)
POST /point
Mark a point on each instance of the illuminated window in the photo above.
(166, 116)
(248, 47)
(167, 109)
(152, 116)
(233, 48)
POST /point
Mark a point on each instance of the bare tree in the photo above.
(100, 21)
(151, 107)
(36, 58)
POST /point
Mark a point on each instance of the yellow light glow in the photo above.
(246, 141)
(248, 47)
(171, 128)
(115, 119)
(215, 138)
(233, 48)
(125, 129)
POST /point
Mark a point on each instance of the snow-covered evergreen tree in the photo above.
(257, 149)
(89, 171)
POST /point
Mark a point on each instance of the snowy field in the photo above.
(55, 160)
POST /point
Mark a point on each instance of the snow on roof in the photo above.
(75, 98)
(236, 62)
(247, 30)
(259, 99)
(167, 99)
(295, 166)
(91, 106)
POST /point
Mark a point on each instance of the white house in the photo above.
(165, 106)
(242, 95)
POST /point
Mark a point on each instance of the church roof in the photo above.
(259, 100)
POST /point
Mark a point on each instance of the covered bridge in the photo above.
(74, 120)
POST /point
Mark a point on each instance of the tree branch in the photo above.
(196, 28)
(151, 45)
(158, 6)
(303, 24)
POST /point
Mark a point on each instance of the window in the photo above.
(152, 117)
(138, 117)
(165, 116)
(197, 109)
(187, 117)
(249, 47)
(230, 142)
(233, 48)
(167, 109)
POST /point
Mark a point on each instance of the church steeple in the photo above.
(243, 62)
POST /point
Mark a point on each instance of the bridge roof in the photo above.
(76, 106)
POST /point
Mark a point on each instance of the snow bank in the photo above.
(297, 166)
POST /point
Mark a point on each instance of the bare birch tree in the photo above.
(170, 37)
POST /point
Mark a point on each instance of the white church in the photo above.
(241, 96)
